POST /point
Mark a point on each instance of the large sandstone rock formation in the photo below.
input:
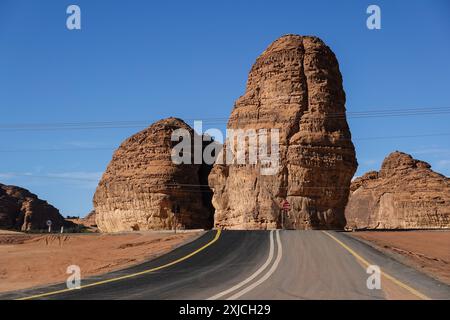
(295, 86)
(142, 188)
(404, 194)
(22, 210)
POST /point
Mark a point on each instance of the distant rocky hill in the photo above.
(22, 210)
(89, 220)
(404, 194)
(295, 86)
(86, 224)
(142, 189)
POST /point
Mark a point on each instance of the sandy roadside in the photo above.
(427, 251)
(29, 260)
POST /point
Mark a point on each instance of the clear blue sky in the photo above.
(142, 60)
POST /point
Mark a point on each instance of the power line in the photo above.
(57, 149)
(403, 136)
(16, 174)
(219, 120)
(113, 148)
(198, 187)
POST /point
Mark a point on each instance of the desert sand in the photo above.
(427, 251)
(29, 260)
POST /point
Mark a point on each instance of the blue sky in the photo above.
(143, 61)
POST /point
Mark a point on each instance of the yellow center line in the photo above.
(366, 263)
(219, 231)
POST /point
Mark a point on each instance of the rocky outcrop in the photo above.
(143, 189)
(294, 86)
(22, 210)
(404, 194)
(89, 220)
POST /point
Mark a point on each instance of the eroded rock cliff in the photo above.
(143, 189)
(22, 210)
(404, 194)
(294, 86)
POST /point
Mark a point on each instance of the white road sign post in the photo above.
(49, 224)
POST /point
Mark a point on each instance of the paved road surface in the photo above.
(257, 265)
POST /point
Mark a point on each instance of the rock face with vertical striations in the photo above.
(142, 188)
(294, 86)
(22, 210)
(404, 194)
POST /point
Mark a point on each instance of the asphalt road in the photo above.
(257, 265)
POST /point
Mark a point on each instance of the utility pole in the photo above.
(176, 211)
(175, 223)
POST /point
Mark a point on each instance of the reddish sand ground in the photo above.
(428, 251)
(28, 260)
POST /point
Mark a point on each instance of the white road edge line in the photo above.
(253, 276)
(266, 276)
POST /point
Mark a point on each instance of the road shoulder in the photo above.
(187, 246)
(395, 267)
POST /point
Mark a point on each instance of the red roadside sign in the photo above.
(286, 205)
